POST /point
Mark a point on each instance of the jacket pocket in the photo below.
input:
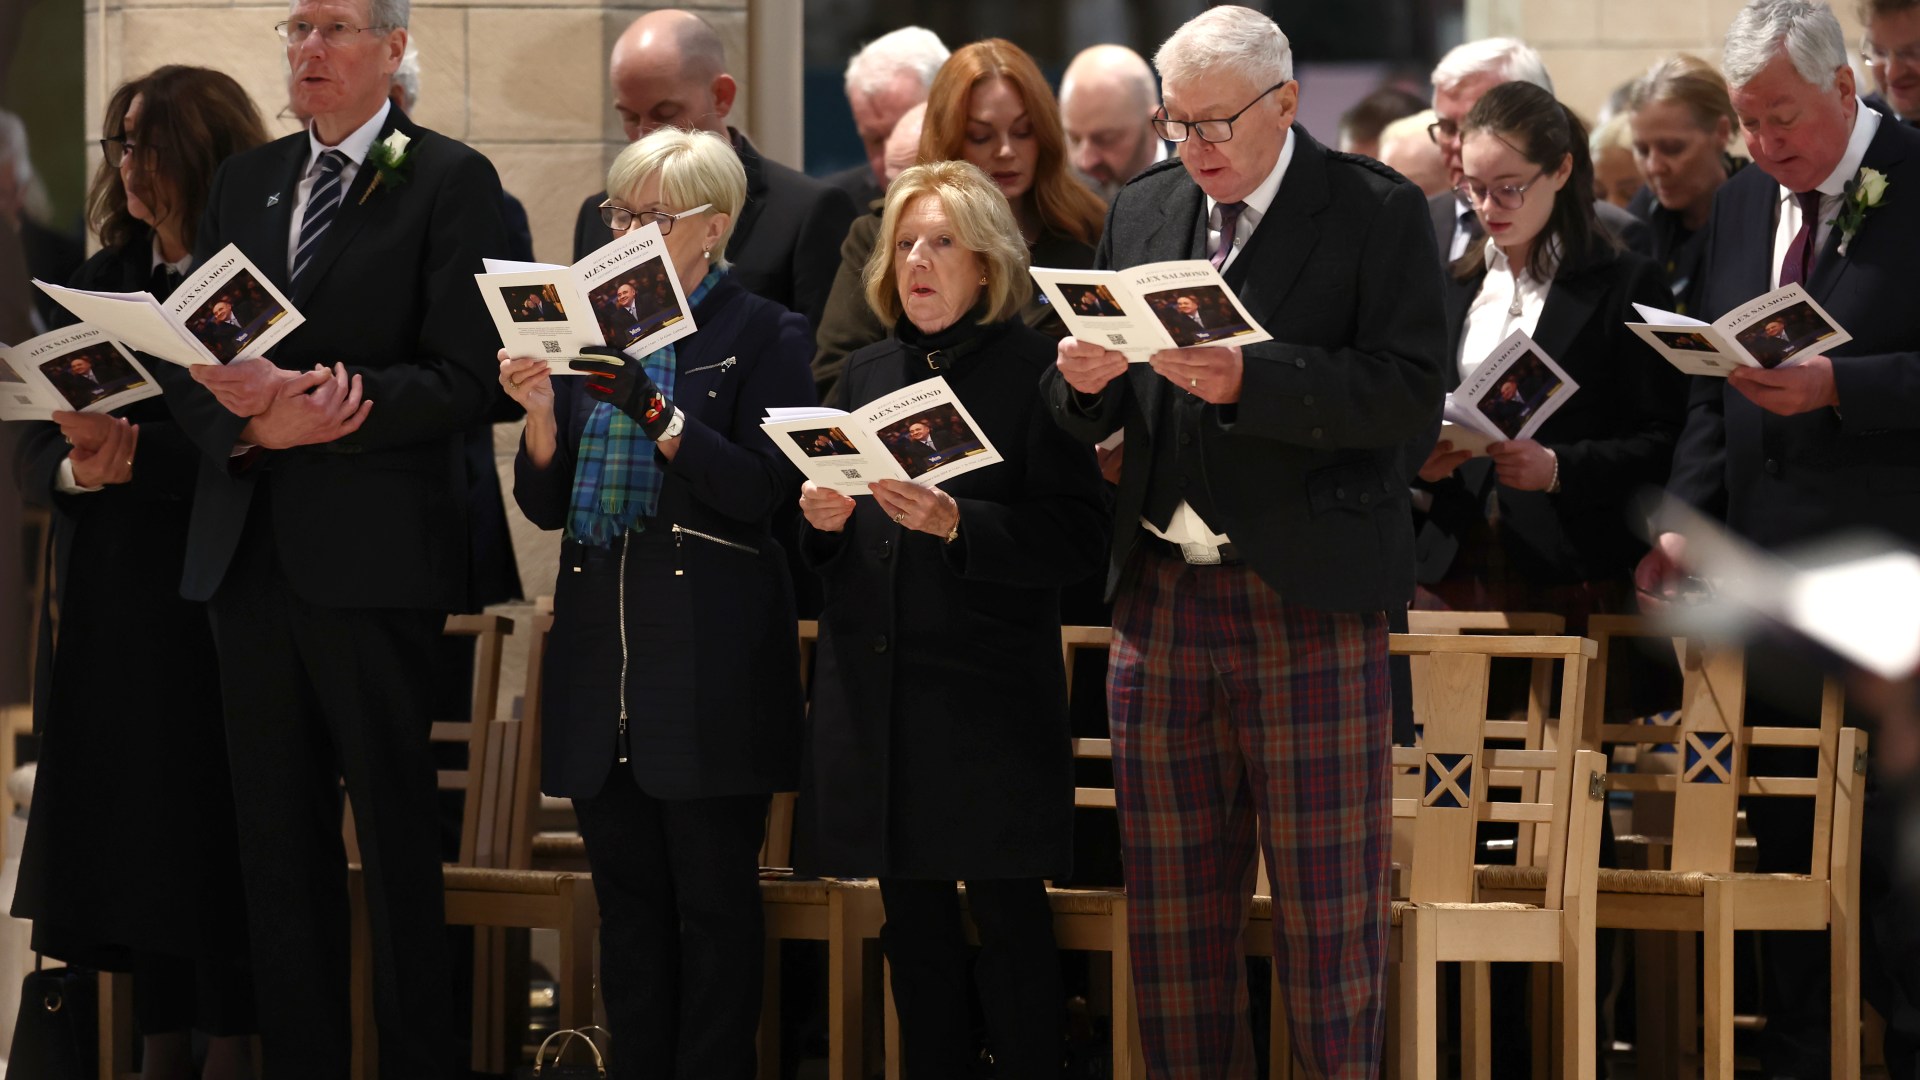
(1356, 486)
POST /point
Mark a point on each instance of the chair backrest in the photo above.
(1537, 729)
(1457, 768)
(776, 850)
(1710, 741)
(488, 633)
(1074, 639)
(521, 799)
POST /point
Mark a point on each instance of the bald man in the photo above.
(903, 146)
(1107, 101)
(669, 69)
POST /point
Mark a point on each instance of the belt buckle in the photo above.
(1200, 554)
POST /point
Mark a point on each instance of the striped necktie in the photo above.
(321, 205)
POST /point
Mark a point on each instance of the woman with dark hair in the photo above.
(990, 107)
(1541, 524)
(1681, 120)
(130, 861)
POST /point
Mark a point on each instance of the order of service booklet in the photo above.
(225, 310)
(1508, 396)
(922, 433)
(1780, 329)
(75, 369)
(1141, 310)
(626, 294)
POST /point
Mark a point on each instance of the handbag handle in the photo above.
(539, 1057)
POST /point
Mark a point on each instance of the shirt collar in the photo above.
(1866, 123)
(356, 145)
(1497, 262)
(179, 266)
(1262, 197)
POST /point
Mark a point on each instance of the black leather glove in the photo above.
(623, 382)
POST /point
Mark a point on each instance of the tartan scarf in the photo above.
(617, 478)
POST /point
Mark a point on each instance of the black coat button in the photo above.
(1186, 438)
(884, 551)
(1318, 434)
(1339, 493)
(1307, 401)
(880, 643)
(1773, 466)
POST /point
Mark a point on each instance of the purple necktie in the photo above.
(1798, 265)
(1229, 223)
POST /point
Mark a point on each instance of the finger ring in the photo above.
(899, 517)
(129, 462)
(1193, 384)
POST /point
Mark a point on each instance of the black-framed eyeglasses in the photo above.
(115, 149)
(1443, 129)
(335, 34)
(1506, 196)
(1213, 131)
(620, 219)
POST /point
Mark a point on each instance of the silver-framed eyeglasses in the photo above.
(1506, 196)
(1213, 131)
(619, 218)
(335, 34)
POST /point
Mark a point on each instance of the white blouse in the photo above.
(1507, 301)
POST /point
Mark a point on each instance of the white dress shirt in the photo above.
(1866, 122)
(1186, 526)
(355, 146)
(1509, 299)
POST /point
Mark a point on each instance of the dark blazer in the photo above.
(1630, 231)
(377, 519)
(850, 323)
(1782, 480)
(1308, 471)
(1680, 254)
(784, 244)
(937, 742)
(132, 843)
(1613, 436)
(859, 184)
(713, 683)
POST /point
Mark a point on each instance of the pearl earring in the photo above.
(983, 279)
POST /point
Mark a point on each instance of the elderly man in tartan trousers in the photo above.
(1262, 538)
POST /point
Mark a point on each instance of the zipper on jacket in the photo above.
(623, 741)
(681, 531)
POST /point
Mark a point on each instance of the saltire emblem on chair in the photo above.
(1709, 758)
(1449, 780)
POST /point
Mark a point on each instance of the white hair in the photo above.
(407, 77)
(911, 49)
(1237, 39)
(1510, 59)
(389, 13)
(1808, 33)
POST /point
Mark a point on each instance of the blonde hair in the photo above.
(1691, 83)
(694, 167)
(982, 223)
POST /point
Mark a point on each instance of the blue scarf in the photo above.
(617, 477)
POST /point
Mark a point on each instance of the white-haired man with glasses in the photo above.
(1262, 537)
(329, 530)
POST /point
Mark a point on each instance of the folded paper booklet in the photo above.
(921, 433)
(1139, 311)
(225, 310)
(78, 369)
(1780, 329)
(626, 295)
(1508, 396)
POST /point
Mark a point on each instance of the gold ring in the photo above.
(900, 517)
(1193, 384)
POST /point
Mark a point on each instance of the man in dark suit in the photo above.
(224, 333)
(624, 319)
(1466, 73)
(329, 531)
(887, 77)
(669, 68)
(1189, 323)
(1789, 455)
(1892, 53)
(78, 382)
(1264, 511)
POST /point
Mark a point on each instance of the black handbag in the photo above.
(558, 1068)
(55, 1036)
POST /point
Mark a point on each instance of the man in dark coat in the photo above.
(1263, 512)
(1789, 455)
(885, 79)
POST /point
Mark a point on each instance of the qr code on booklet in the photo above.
(850, 474)
(1116, 339)
(552, 347)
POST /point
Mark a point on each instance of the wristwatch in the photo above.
(675, 426)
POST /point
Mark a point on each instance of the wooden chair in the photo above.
(1443, 919)
(1700, 892)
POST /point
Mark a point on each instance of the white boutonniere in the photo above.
(390, 160)
(1864, 192)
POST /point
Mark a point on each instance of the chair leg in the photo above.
(1279, 1035)
(576, 955)
(1844, 978)
(1579, 1008)
(769, 1038)
(360, 975)
(889, 1022)
(1390, 1062)
(1419, 1001)
(1476, 1020)
(1128, 1062)
(846, 978)
(116, 1036)
(1717, 1016)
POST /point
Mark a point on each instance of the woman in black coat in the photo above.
(672, 685)
(131, 860)
(938, 748)
(1544, 524)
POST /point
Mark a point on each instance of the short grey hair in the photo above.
(407, 77)
(1236, 38)
(1809, 34)
(392, 14)
(1508, 59)
(911, 49)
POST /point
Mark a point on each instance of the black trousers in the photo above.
(682, 943)
(1018, 973)
(315, 695)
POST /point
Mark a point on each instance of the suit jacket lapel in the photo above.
(1287, 232)
(1883, 153)
(277, 218)
(352, 213)
(1570, 305)
(1181, 233)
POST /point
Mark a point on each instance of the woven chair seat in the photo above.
(1084, 901)
(488, 880)
(1401, 907)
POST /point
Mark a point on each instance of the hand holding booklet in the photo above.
(922, 433)
(78, 369)
(1780, 329)
(627, 295)
(225, 310)
(1507, 397)
(1143, 309)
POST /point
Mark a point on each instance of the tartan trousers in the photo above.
(1229, 704)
